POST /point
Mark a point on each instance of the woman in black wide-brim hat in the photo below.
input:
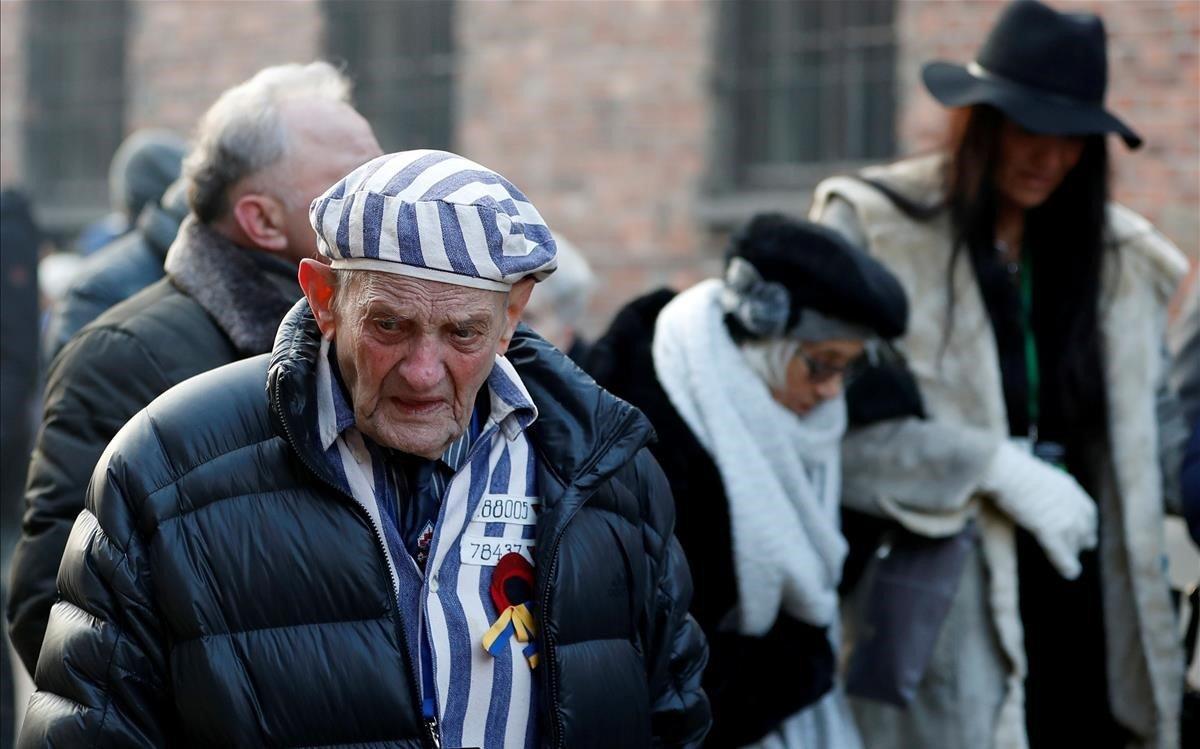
(1038, 309)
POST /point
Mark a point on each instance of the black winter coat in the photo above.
(19, 240)
(220, 303)
(753, 683)
(114, 273)
(224, 589)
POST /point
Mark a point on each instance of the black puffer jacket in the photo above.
(753, 682)
(116, 272)
(224, 589)
(219, 304)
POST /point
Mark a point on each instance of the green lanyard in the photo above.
(1032, 381)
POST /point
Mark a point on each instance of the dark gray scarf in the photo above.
(247, 292)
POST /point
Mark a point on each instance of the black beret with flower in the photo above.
(779, 267)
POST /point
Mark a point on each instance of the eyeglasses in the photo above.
(822, 371)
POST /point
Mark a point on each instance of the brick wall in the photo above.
(602, 111)
(12, 85)
(182, 55)
(602, 118)
(1154, 85)
(179, 57)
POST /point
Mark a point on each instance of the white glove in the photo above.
(1047, 502)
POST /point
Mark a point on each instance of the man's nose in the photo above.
(421, 368)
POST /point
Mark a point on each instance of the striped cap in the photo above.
(436, 216)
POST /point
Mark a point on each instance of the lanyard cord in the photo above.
(1032, 374)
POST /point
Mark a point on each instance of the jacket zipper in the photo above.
(559, 728)
(431, 726)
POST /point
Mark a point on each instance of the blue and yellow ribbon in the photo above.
(518, 621)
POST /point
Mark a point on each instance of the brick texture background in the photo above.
(602, 118)
(182, 55)
(603, 111)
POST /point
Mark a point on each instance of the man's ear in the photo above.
(319, 283)
(518, 297)
(262, 219)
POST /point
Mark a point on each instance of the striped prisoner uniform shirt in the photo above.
(471, 507)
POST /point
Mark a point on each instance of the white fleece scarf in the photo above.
(781, 472)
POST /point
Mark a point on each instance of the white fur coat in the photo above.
(964, 396)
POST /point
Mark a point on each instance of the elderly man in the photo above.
(411, 525)
(263, 151)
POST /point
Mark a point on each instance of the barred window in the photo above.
(75, 103)
(401, 58)
(803, 85)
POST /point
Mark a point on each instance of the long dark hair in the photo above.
(1065, 234)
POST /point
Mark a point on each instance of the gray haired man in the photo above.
(263, 151)
(411, 525)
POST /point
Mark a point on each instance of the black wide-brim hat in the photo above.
(1045, 70)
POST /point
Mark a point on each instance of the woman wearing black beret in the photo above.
(1038, 315)
(742, 378)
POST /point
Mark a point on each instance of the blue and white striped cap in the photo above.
(433, 215)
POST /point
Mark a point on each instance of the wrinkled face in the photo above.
(326, 141)
(1033, 166)
(413, 353)
(807, 386)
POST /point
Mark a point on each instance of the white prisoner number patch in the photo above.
(487, 551)
(505, 508)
